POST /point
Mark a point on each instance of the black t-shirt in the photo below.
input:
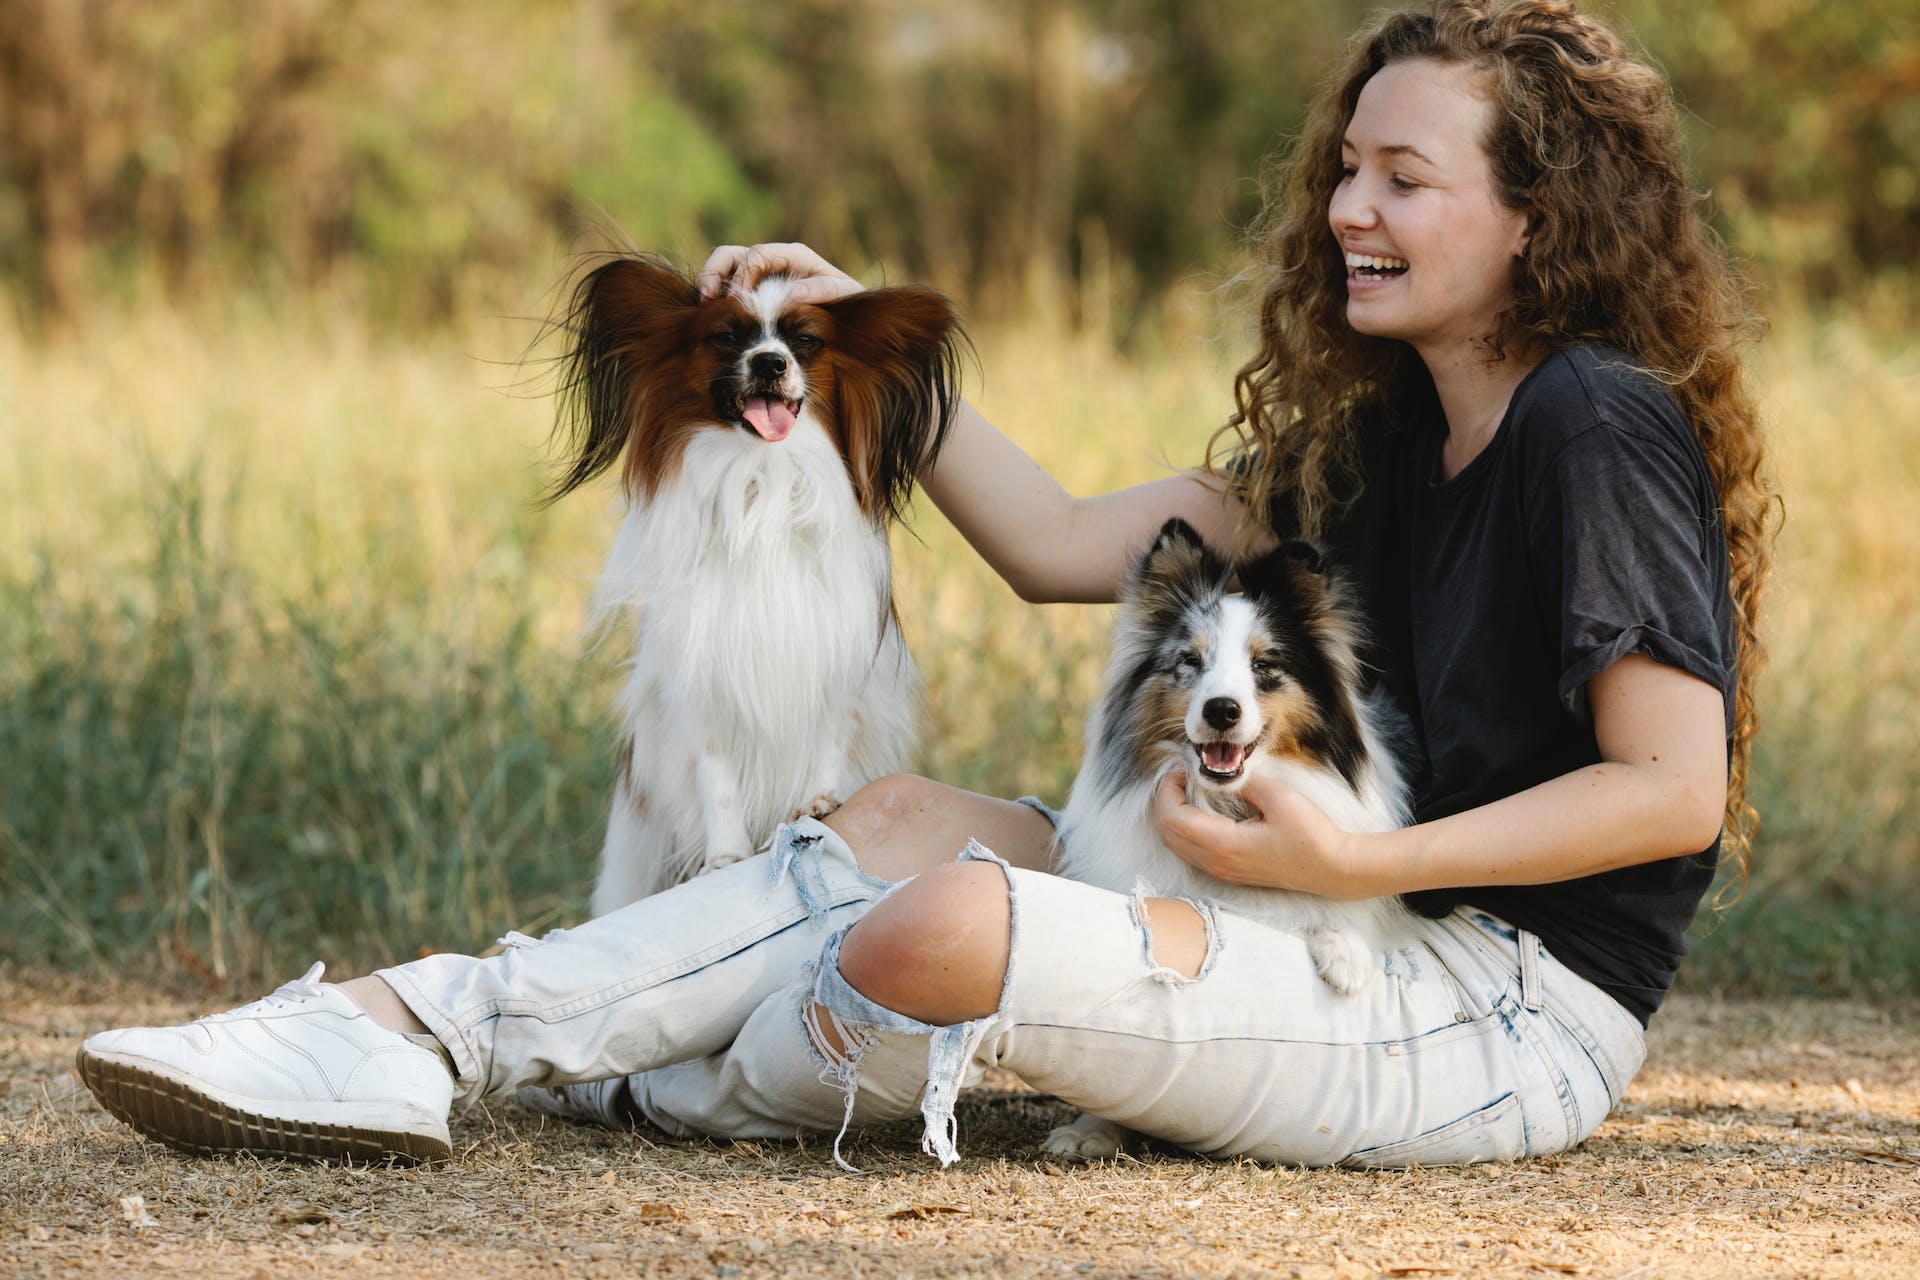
(1587, 529)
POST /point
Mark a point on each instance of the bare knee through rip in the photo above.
(1177, 933)
(936, 950)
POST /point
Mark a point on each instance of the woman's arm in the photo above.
(1048, 545)
(1658, 792)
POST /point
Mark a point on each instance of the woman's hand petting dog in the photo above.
(741, 267)
(1288, 844)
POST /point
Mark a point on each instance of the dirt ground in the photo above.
(1763, 1139)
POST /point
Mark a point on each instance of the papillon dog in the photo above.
(1223, 686)
(765, 445)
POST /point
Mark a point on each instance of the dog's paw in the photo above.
(1343, 959)
(818, 807)
(1087, 1137)
(718, 858)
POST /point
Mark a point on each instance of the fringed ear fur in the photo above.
(897, 388)
(1178, 551)
(1296, 570)
(1177, 569)
(1300, 579)
(626, 316)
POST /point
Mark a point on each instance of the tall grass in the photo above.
(291, 664)
(1834, 901)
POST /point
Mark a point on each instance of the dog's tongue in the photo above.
(1221, 757)
(773, 419)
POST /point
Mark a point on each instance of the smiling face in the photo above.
(1429, 243)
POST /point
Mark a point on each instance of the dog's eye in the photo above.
(804, 343)
(728, 337)
(1187, 663)
(1263, 665)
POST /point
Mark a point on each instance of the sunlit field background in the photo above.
(292, 662)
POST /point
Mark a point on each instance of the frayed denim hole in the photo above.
(977, 852)
(1209, 913)
(1137, 912)
(838, 1069)
(857, 1021)
(950, 1048)
(1041, 807)
(831, 988)
(796, 850)
(1166, 975)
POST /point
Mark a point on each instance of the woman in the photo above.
(1497, 375)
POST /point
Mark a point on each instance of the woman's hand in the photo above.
(1288, 844)
(741, 267)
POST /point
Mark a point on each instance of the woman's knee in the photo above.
(885, 803)
(937, 948)
(903, 825)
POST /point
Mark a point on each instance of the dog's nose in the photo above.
(1221, 713)
(768, 364)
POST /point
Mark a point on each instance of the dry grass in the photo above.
(271, 582)
(1762, 1140)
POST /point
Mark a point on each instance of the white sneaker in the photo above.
(304, 1072)
(606, 1103)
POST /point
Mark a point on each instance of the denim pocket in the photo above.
(1496, 1131)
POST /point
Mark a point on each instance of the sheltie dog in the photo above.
(765, 446)
(1222, 686)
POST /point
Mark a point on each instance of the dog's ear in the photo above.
(896, 388)
(1295, 571)
(1176, 534)
(1302, 581)
(1178, 554)
(628, 318)
(1291, 561)
(1308, 555)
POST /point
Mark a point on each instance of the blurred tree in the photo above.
(1805, 123)
(166, 134)
(426, 155)
(1003, 149)
(418, 148)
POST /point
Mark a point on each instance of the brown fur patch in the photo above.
(1289, 716)
(649, 351)
(1162, 718)
(878, 343)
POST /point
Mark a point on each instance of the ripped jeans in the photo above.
(1470, 1043)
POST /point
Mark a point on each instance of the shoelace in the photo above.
(305, 987)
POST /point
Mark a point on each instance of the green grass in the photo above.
(199, 767)
(291, 664)
(1833, 904)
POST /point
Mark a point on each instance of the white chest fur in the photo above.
(768, 673)
(1107, 838)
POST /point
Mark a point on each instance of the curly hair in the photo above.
(1584, 137)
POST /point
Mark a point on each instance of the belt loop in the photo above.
(1530, 995)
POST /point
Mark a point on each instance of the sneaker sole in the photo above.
(188, 1120)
